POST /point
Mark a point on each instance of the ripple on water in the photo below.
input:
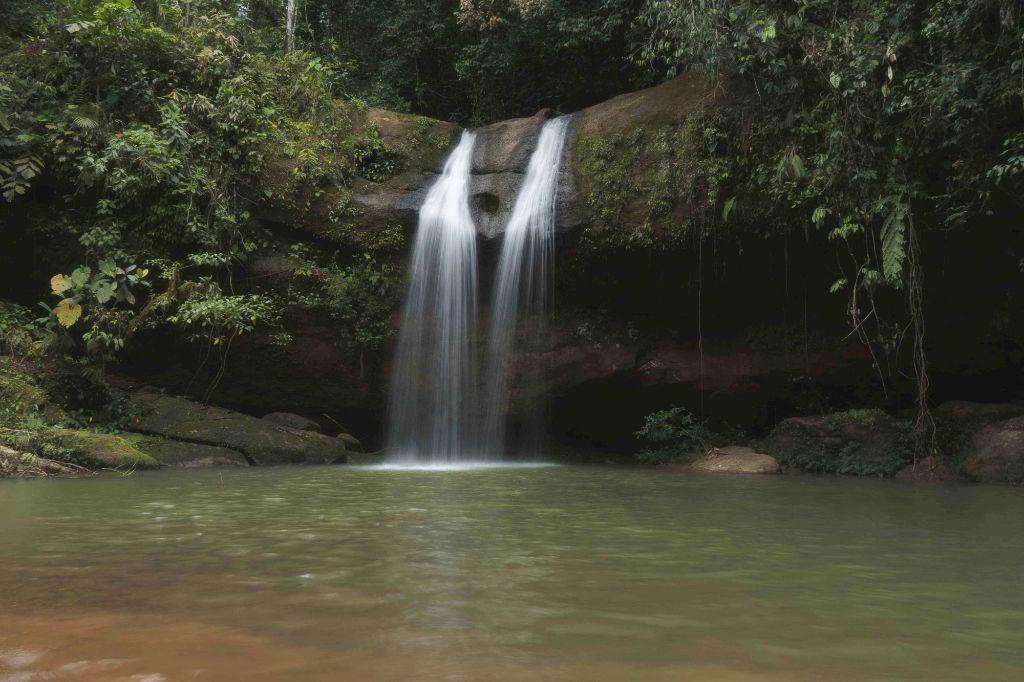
(454, 466)
(513, 572)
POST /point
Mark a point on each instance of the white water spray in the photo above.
(433, 377)
(523, 284)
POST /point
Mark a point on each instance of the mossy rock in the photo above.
(855, 442)
(105, 450)
(641, 158)
(260, 441)
(998, 453)
(421, 143)
(175, 453)
(959, 422)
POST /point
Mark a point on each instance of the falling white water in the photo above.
(433, 378)
(523, 279)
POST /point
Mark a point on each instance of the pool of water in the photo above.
(556, 573)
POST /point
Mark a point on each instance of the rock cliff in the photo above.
(739, 325)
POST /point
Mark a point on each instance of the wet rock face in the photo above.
(292, 421)
(500, 157)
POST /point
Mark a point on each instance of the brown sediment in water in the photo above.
(564, 574)
(113, 647)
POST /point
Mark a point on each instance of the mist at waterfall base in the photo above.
(443, 414)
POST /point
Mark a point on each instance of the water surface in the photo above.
(558, 573)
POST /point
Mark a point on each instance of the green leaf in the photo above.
(105, 291)
(80, 276)
(834, 80)
(108, 268)
(730, 203)
(846, 230)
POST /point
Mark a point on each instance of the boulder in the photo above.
(855, 442)
(261, 442)
(292, 421)
(352, 444)
(185, 454)
(997, 453)
(735, 460)
(927, 469)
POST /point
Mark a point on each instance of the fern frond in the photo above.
(894, 245)
(84, 122)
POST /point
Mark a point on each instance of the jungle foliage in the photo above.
(139, 138)
(875, 123)
(136, 142)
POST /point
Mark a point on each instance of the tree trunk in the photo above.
(289, 26)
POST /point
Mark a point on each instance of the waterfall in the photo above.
(433, 378)
(523, 283)
(434, 402)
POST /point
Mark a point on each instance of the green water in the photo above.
(565, 573)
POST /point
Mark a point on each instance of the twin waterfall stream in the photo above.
(442, 409)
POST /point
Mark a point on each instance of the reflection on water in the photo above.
(559, 573)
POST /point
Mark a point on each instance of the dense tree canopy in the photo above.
(478, 61)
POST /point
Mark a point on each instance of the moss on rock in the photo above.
(261, 442)
(648, 165)
(106, 451)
